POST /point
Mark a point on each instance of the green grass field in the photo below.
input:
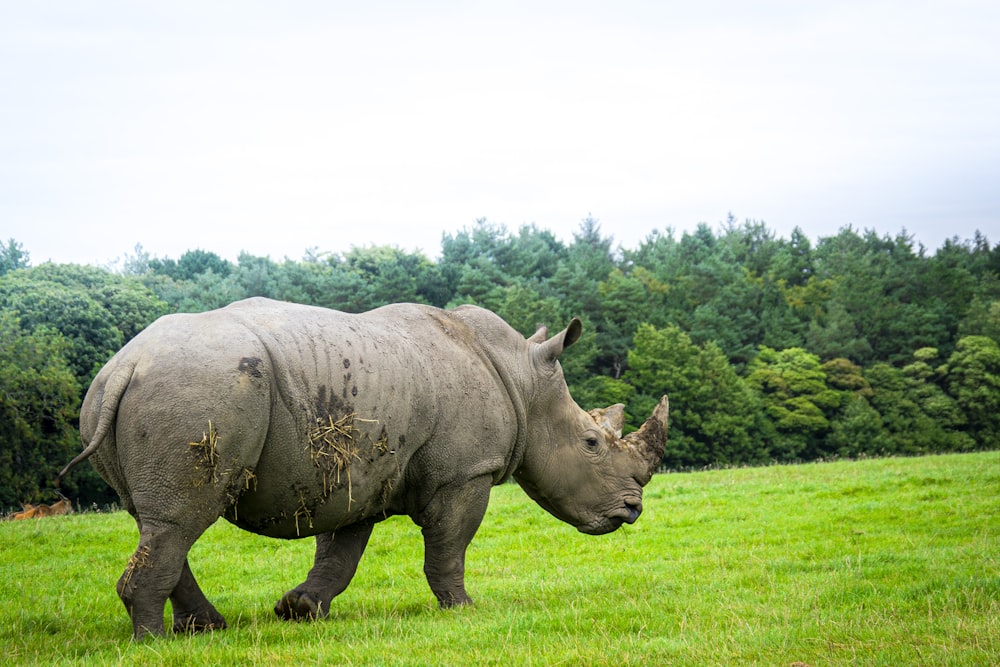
(881, 562)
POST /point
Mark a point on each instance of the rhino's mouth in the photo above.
(627, 511)
(613, 521)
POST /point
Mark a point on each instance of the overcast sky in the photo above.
(272, 127)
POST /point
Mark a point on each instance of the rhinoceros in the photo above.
(293, 421)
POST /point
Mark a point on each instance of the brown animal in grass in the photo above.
(28, 512)
(60, 507)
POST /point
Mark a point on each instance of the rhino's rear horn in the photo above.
(650, 441)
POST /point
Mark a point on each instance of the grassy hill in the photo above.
(879, 562)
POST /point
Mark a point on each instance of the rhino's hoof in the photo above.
(449, 600)
(199, 623)
(299, 606)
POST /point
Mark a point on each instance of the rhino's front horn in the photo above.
(650, 441)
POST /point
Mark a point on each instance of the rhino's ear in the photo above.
(540, 335)
(573, 332)
(548, 351)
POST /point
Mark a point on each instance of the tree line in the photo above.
(771, 348)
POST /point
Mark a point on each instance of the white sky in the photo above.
(275, 127)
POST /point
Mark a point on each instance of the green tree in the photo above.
(973, 380)
(627, 300)
(471, 261)
(857, 431)
(39, 403)
(953, 277)
(476, 263)
(85, 324)
(524, 309)
(781, 326)
(835, 334)
(982, 318)
(732, 319)
(95, 310)
(793, 264)
(844, 376)
(533, 255)
(325, 281)
(714, 416)
(578, 283)
(601, 391)
(941, 423)
(917, 417)
(592, 250)
(751, 245)
(256, 276)
(131, 306)
(395, 276)
(479, 283)
(205, 291)
(880, 286)
(137, 264)
(12, 257)
(856, 427)
(191, 264)
(793, 390)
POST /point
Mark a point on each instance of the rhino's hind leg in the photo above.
(157, 571)
(192, 610)
(337, 557)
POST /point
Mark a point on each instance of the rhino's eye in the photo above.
(592, 442)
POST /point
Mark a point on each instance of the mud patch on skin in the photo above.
(250, 366)
(207, 455)
(328, 403)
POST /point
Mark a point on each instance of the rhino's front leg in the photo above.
(337, 556)
(449, 523)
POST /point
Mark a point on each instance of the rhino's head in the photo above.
(576, 464)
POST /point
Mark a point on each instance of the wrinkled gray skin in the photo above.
(294, 421)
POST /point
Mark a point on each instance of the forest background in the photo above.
(771, 349)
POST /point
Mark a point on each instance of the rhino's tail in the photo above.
(113, 390)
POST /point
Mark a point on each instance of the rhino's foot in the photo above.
(298, 605)
(452, 599)
(199, 622)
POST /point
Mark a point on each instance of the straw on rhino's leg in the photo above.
(155, 572)
(192, 610)
(337, 556)
(150, 576)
